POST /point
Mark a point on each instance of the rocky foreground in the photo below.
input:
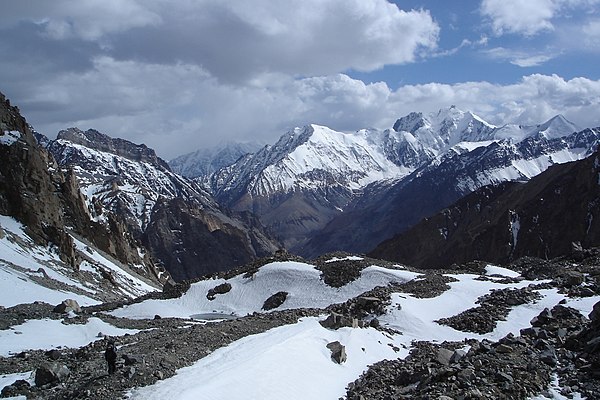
(558, 352)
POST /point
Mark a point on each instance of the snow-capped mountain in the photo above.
(174, 217)
(314, 175)
(204, 162)
(383, 210)
(309, 175)
(121, 177)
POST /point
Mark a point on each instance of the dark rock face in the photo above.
(31, 185)
(191, 242)
(275, 301)
(35, 191)
(498, 224)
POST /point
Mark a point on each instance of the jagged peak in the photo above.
(96, 140)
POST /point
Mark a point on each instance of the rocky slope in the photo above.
(396, 338)
(542, 218)
(36, 192)
(179, 222)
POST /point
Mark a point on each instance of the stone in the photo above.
(19, 387)
(129, 372)
(457, 356)
(504, 377)
(444, 356)
(53, 354)
(338, 352)
(219, 289)
(595, 314)
(502, 348)
(129, 360)
(51, 373)
(67, 306)
(275, 301)
(336, 321)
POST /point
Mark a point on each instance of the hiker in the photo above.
(111, 357)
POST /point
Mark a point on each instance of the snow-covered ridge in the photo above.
(27, 273)
(315, 157)
(312, 157)
(121, 184)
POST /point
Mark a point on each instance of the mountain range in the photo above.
(318, 190)
(89, 223)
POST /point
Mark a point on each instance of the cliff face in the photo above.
(31, 184)
(35, 191)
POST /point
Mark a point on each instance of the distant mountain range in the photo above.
(319, 190)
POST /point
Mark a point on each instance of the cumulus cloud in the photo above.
(529, 17)
(237, 41)
(187, 108)
(516, 16)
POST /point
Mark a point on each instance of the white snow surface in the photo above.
(289, 362)
(21, 260)
(293, 362)
(49, 334)
(495, 270)
(301, 281)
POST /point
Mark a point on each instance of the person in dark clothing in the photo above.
(111, 357)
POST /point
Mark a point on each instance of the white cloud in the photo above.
(240, 40)
(186, 108)
(532, 16)
(517, 16)
(520, 58)
(89, 20)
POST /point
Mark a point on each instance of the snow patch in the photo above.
(9, 137)
(47, 334)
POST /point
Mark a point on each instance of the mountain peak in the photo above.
(557, 126)
(445, 128)
(96, 140)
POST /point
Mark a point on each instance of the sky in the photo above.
(180, 76)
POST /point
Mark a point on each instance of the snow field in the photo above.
(292, 361)
(247, 295)
(48, 334)
(289, 362)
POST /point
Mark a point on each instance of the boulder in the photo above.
(219, 289)
(51, 373)
(275, 301)
(67, 306)
(19, 387)
(444, 356)
(336, 321)
(338, 352)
